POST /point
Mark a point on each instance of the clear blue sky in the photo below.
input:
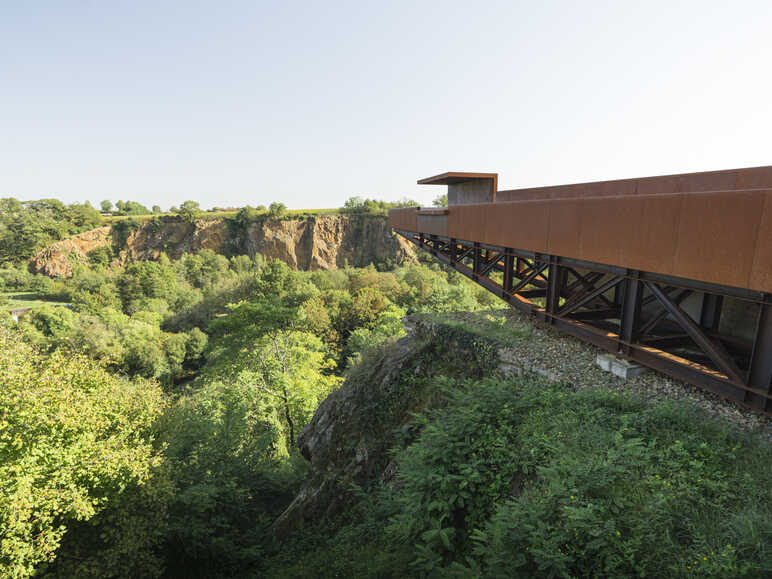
(230, 103)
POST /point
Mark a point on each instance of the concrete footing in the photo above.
(619, 366)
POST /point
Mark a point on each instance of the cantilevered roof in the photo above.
(457, 177)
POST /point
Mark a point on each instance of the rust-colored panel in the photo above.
(612, 188)
(761, 272)
(602, 225)
(754, 178)
(456, 177)
(522, 225)
(651, 231)
(657, 185)
(713, 181)
(565, 223)
(467, 221)
(731, 179)
(717, 236)
(403, 218)
(521, 195)
(571, 191)
(434, 224)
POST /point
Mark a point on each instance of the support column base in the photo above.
(620, 367)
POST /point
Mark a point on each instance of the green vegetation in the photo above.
(189, 211)
(243, 350)
(440, 201)
(72, 435)
(374, 206)
(26, 227)
(151, 428)
(130, 208)
(534, 479)
(13, 300)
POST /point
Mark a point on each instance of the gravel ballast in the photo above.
(530, 345)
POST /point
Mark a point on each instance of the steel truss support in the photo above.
(634, 314)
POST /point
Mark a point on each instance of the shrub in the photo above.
(534, 479)
(277, 210)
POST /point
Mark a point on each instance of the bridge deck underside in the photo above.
(678, 326)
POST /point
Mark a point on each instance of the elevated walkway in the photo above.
(674, 272)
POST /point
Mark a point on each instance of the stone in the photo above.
(619, 366)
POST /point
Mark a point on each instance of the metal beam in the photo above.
(714, 350)
(582, 300)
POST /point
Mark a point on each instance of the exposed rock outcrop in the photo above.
(315, 242)
(56, 259)
(352, 431)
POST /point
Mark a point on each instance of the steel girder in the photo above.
(633, 314)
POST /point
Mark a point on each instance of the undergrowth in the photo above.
(532, 479)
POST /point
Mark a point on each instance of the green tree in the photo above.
(131, 208)
(72, 437)
(106, 206)
(189, 211)
(441, 201)
(277, 210)
(292, 370)
(247, 215)
(156, 209)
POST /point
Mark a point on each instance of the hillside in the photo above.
(306, 243)
(457, 452)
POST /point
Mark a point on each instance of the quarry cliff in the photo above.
(307, 243)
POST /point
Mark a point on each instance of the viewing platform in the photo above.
(674, 272)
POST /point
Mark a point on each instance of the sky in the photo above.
(247, 102)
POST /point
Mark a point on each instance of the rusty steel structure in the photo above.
(672, 272)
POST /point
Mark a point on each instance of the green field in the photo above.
(15, 300)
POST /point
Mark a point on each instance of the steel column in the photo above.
(760, 375)
(631, 311)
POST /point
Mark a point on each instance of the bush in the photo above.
(277, 210)
(189, 211)
(537, 480)
(101, 255)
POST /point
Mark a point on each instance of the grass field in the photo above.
(17, 300)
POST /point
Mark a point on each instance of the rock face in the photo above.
(56, 259)
(340, 445)
(351, 433)
(316, 242)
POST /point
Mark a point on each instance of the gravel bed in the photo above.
(560, 357)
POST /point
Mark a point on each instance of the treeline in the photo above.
(374, 206)
(108, 473)
(26, 227)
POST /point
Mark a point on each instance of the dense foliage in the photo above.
(130, 208)
(374, 206)
(149, 415)
(536, 480)
(75, 443)
(26, 227)
(182, 481)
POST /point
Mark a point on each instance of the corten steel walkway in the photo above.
(674, 272)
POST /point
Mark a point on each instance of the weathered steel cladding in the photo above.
(433, 224)
(733, 179)
(648, 320)
(674, 272)
(722, 237)
(404, 218)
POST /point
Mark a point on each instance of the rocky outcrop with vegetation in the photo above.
(308, 243)
(56, 260)
(349, 438)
